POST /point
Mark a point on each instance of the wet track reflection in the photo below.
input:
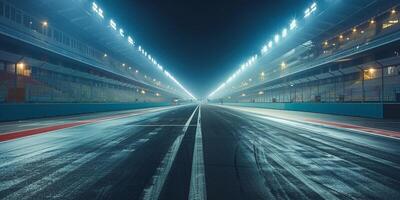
(175, 153)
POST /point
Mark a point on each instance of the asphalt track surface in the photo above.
(195, 152)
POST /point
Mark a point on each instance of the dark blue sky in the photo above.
(202, 42)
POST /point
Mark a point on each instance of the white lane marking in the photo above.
(161, 125)
(187, 124)
(159, 178)
(197, 180)
(49, 152)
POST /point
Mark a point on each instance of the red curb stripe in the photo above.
(360, 128)
(19, 134)
(35, 131)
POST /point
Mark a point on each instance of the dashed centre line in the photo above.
(197, 180)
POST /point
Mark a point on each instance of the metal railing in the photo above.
(33, 31)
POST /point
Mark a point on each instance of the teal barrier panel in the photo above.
(12, 112)
(372, 110)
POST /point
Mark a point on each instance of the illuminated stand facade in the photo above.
(71, 52)
(324, 57)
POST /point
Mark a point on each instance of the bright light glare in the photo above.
(97, 9)
(283, 65)
(293, 24)
(21, 65)
(270, 44)
(242, 68)
(180, 85)
(130, 40)
(276, 38)
(113, 24)
(310, 10)
(284, 33)
(371, 70)
(94, 6)
(264, 49)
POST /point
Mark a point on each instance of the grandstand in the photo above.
(66, 52)
(345, 52)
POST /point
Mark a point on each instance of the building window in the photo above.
(370, 73)
(393, 20)
(391, 71)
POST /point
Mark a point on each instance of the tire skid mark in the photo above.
(277, 137)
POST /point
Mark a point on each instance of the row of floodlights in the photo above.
(179, 84)
(96, 9)
(141, 50)
(112, 23)
(242, 68)
(293, 25)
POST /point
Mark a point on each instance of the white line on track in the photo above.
(161, 125)
(92, 121)
(365, 131)
(197, 180)
(158, 180)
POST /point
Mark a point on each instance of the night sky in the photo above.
(203, 42)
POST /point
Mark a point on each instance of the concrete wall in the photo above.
(12, 112)
(372, 110)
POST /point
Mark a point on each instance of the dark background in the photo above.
(202, 42)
